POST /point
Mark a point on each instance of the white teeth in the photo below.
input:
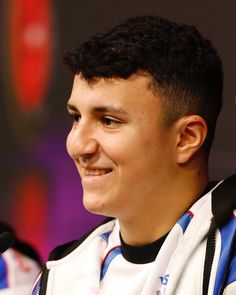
(95, 172)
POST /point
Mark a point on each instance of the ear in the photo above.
(192, 132)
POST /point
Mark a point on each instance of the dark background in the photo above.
(216, 20)
(34, 155)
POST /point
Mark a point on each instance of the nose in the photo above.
(81, 142)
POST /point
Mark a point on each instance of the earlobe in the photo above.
(192, 132)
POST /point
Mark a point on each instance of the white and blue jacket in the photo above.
(198, 256)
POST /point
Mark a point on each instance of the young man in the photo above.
(144, 106)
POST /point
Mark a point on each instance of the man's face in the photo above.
(120, 148)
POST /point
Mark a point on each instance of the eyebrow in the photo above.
(101, 109)
(107, 109)
(71, 107)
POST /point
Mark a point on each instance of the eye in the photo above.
(110, 122)
(75, 117)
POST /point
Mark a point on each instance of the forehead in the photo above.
(131, 93)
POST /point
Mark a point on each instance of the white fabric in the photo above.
(121, 270)
(179, 262)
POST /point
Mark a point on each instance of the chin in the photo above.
(93, 205)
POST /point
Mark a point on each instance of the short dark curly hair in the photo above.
(185, 70)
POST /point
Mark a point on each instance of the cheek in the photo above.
(121, 147)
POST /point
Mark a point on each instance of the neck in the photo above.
(159, 213)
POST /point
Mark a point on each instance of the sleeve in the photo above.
(17, 273)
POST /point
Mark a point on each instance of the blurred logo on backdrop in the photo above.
(26, 66)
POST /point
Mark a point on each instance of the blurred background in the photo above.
(39, 187)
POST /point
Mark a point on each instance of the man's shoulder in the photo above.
(65, 249)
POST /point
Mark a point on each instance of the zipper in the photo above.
(41, 284)
(36, 287)
(210, 253)
(43, 281)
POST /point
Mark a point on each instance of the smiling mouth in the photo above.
(95, 172)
